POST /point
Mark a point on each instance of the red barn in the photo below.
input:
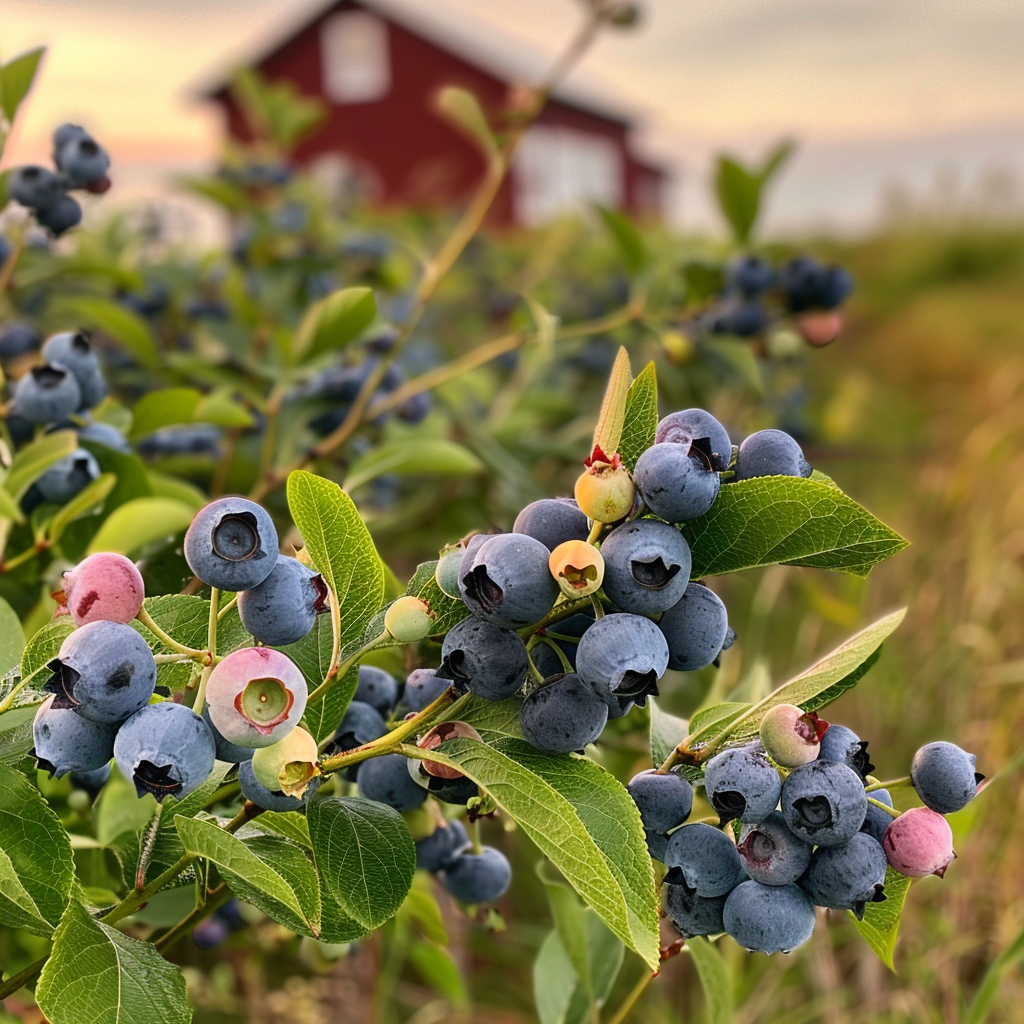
(378, 64)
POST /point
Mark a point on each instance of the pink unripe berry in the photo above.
(440, 734)
(409, 619)
(605, 490)
(790, 736)
(105, 586)
(820, 328)
(256, 696)
(919, 842)
(578, 568)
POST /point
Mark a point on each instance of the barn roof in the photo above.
(470, 41)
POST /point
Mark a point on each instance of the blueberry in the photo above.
(164, 749)
(801, 281)
(106, 435)
(664, 799)
(64, 215)
(104, 585)
(563, 715)
(705, 859)
(104, 671)
(92, 782)
(552, 521)
(46, 394)
(657, 844)
(824, 802)
(770, 853)
(847, 877)
(272, 799)
(835, 287)
(256, 696)
(194, 439)
(646, 566)
(696, 425)
(577, 567)
(415, 408)
(605, 491)
(944, 777)
(696, 628)
(790, 736)
(231, 544)
(230, 752)
(694, 915)
(469, 549)
(547, 662)
(919, 842)
(675, 484)
(422, 687)
(387, 780)
(283, 608)
(66, 742)
(484, 659)
(68, 476)
(749, 275)
(361, 723)
(770, 453)
(768, 918)
(844, 746)
(451, 791)
(83, 161)
(209, 934)
(742, 318)
(65, 134)
(477, 877)
(72, 351)
(877, 821)
(742, 784)
(439, 848)
(17, 339)
(289, 765)
(508, 581)
(377, 688)
(623, 655)
(36, 187)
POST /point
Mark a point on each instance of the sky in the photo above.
(926, 94)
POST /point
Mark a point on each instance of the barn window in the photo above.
(354, 53)
(561, 169)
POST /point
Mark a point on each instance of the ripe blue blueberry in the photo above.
(66, 742)
(83, 161)
(646, 566)
(801, 281)
(272, 799)
(944, 777)
(696, 425)
(16, 339)
(68, 476)
(770, 853)
(742, 784)
(449, 791)
(623, 655)
(422, 687)
(508, 581)
(64, 215)
(387, 780)
(64, 134)
(664, 799)
(742, 318)
(230, 752)
(361, 723)
(693, 914)
(437, 850)
(770, 453)
(72, 351)
(164, 749)
(696, 628)
(46, 394)
(847, 877)
(768, 918)
(563, 715)
(377, 688)
(675, 484)
(824, 802)
(876, 821)
(283, 608)
(552, 521)
(838, 743)
(484, 659)
(35, 187)
(705, 858)
(657, 844)
(104, 671)
(749, 275)
(194, 439)
(106, 435)
(415, 408)
(92, 782)
(477, 877)
(834, 288)
(547, 662)
(231, 544)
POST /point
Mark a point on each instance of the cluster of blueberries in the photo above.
(80, 162)
(803, 288)
(809, 827)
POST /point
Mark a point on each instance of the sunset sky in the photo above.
(874, 90)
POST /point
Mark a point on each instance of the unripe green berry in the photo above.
(605, 491)
(446, 573)
(289, 765)
(409, 619)
(790, 736)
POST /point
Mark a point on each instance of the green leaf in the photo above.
(270, 872)
(776, 160)
(712, 720)
(16, 734)
(667, 732)
(89, 499)
(461, 109)
(714, 980)
(44, 645)
(36, 866)
(139, 522)
(739, 197)
(881, 923)
(493, 719)
(428, 457)
(703, 280)
(275, 110)
(164, 486)
(119, 810)
(610, 420)
(12, 638)
(567, 912)
(9, 508)
(98, 975)
(166, 407)
(448, 611)
(16, 79)
(36, 458)
(114, 320)
(437, 968)
(628, 239)
(221, 409)
(980, 1006)
(365, 859)
(335, 321)
(641, 421)
(583, 820)
(787, 519)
